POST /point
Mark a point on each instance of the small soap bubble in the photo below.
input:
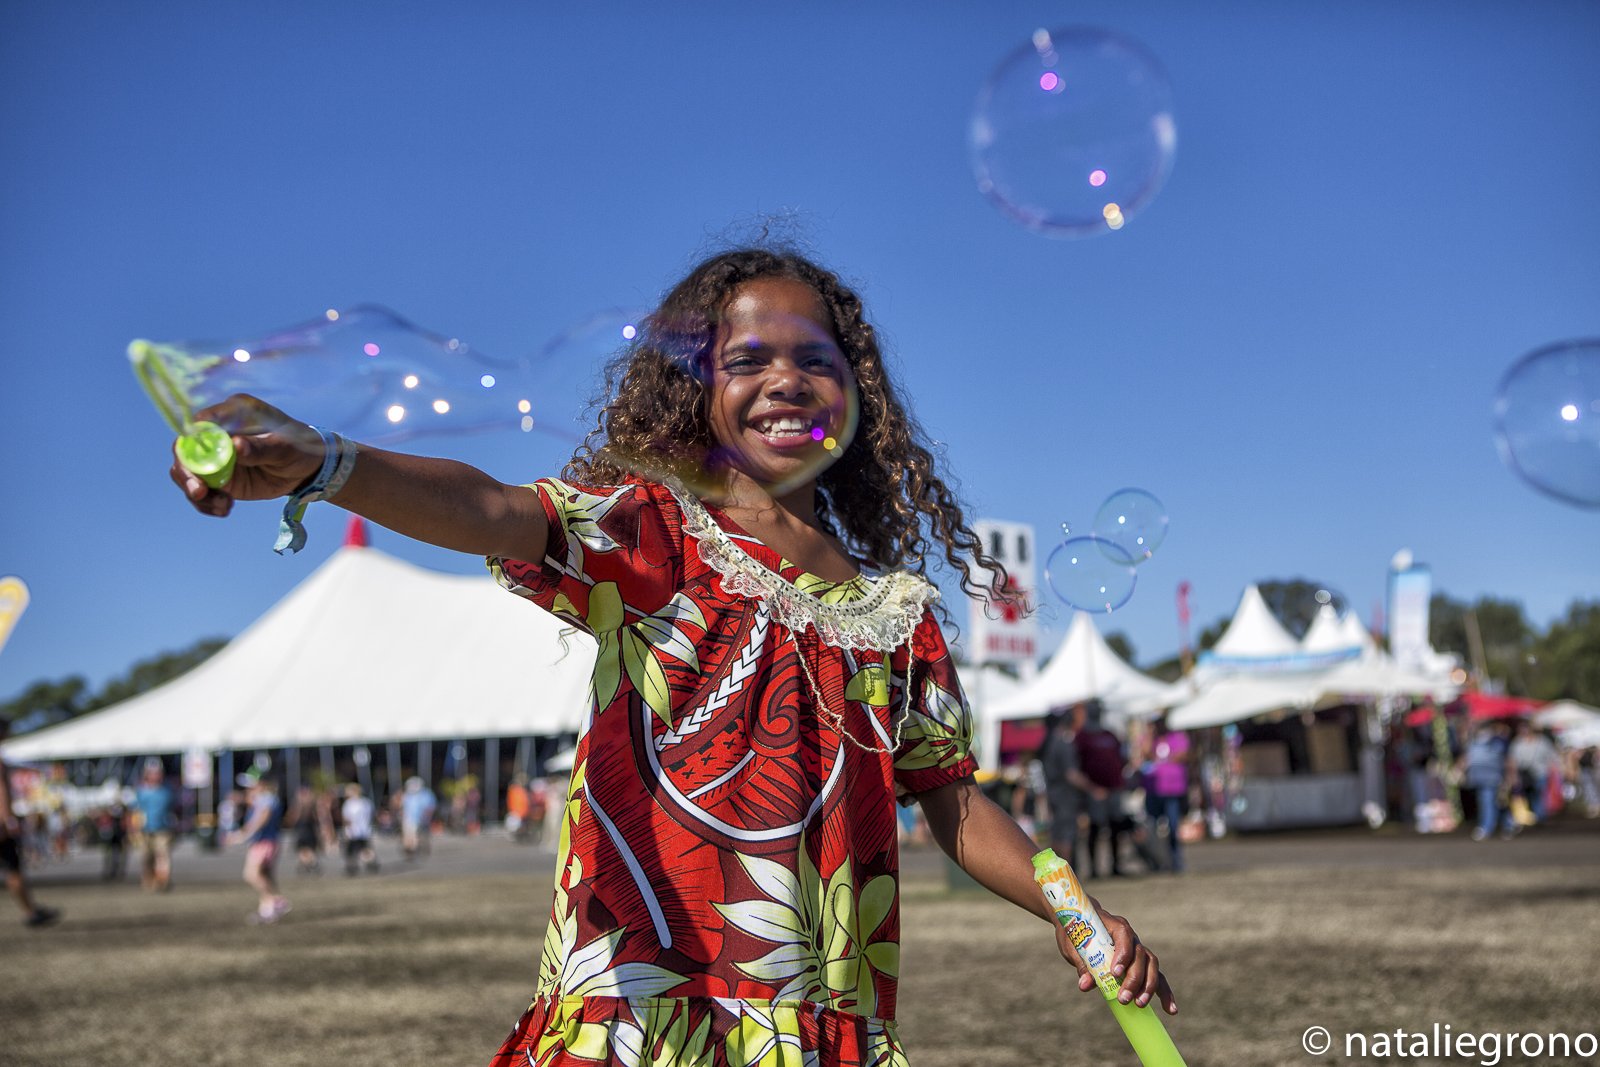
(1133, 520)
(1547, 420)
(1073, 123)
(1090, 574)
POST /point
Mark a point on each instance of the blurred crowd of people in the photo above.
(1104, 803)
(322, 821)
(1503, 777)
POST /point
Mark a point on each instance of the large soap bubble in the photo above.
(1091, 574)
(1073, 133)
(376, 377)
(1547, 420)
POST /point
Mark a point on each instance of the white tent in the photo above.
(1234, 698)
(1563, 715)
(367, 649)
(1332, 634)
(1083, 668)
(1254, 633)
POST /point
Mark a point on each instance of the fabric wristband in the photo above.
(338, 460)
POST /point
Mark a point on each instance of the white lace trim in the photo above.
(882, 621)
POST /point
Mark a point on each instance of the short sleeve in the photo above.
(610, 549)
(936, 746)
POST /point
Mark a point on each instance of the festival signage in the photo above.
(13, 602)
(1410, 589)
(197, 769)
(1007, 632)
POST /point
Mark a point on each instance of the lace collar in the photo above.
(883, 620)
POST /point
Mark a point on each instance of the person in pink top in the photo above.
(1166, 789)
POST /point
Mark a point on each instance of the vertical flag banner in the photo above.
(1012, 635)
(13, 601)
(1410, 589)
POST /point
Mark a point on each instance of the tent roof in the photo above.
(1082, 668)
(367, 649)
(1238, 697)
(1254, 632)
(1332, 632)
(1566, 714)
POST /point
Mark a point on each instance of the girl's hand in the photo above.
(273, 455)
(1134, 965)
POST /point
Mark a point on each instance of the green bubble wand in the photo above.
(1076, 914)
(203, 448)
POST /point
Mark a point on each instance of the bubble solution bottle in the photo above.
(1065, 895)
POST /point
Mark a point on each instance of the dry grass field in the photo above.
(1266, 937)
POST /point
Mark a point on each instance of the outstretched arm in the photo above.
(439, 501)
(992, 848)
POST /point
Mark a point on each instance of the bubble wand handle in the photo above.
(1073, 910)
(204, 448)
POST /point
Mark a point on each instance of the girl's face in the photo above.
(783, 398)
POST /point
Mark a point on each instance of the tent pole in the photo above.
(291, 763)
(327, 760)
(225, 786)
(491, 782)
(425, 762)
(394, 766)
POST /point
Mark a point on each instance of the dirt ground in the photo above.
(1264, 938)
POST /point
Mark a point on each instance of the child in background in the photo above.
(771, 678)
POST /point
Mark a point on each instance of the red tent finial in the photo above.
(355, 534)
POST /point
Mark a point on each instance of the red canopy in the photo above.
(1479, 706)
(1487, 706)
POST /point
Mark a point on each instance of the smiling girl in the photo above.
(771, 678)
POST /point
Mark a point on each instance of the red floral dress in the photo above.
(727, 886)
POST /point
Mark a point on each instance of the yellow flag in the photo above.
(13, 601)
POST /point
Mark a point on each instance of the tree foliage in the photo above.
(1566, 659)
(1118, 642)
(45, 703)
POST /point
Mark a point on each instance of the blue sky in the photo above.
(1375, 209)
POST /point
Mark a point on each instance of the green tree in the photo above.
(158, 670)
(1294, 601)
(1508, 638)
(1119, 643)
(1566, 659)
(45, 703)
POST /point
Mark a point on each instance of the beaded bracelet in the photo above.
(338, 460)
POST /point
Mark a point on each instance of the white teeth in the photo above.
(784, 427)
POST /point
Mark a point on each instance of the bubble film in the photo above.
(1073, 133)
(1547, 421)
(1090, 574)
(1134, 521)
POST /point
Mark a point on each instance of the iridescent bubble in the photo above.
(376, 377)
(1073, 133)
(1134, 521)
(1547, 420)
(364, 371)
(569, 371)
(1090, 574)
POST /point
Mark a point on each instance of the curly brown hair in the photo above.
(885, 498)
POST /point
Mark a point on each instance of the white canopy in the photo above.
(1564, 715)
(1254, 632)
(1332, 633)
(1083, 668)
(367, 649)
(1236, 697)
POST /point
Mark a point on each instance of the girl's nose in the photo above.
(785, 379)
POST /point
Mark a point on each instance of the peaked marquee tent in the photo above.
(367, 649)
(1082, 668)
